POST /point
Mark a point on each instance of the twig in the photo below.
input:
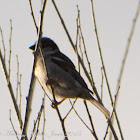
(108, 124)
(80, 59)
(4, 57)
(30, 94)
(32, 13)
(17, 79)
(10, 51)
(91, 122)
(44, 118)
(13, 126)
(58, 112)
(100, 52)
(36, 123)
(20, 93)
(11, 90)
(102, 84)
(70, 109)
(125, 56)
(81, 119)
(79, 28)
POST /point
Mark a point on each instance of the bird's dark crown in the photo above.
(46, 44)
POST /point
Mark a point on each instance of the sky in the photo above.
(114, 21)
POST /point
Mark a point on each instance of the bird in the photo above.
(54, 69)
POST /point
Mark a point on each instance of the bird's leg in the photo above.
(54, 104)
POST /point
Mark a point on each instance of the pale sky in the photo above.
(114, 21)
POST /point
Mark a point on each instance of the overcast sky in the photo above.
(114, 21)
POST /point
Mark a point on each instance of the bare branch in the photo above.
(70, 109)
(11, 90)
(32, 13)
(90, 119)
(81, 118)
(102, 84)
(101, 57)
(44, 118)
(32, 84)
(17, 79)
(10, 51)
(13, 126)
(37, 123)
(3, 45)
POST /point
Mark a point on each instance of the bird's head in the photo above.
(47, 45)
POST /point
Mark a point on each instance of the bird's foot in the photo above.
(55, 103)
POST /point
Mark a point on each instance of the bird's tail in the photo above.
(101, 108)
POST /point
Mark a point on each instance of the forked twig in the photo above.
(11, 89)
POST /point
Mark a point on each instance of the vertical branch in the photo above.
(102, 84)
(4, 57)
(59, 115)
(17, 79)
(85, 103)
(44, 118)
(100, 52)
(32, 84)
(10, 50)
(125, 58)
(20, 93)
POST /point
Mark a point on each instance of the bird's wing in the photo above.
(66, 64)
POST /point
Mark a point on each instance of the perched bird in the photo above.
(65, 80)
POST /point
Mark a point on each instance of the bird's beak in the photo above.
(32, 47)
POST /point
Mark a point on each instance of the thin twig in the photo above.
(32, 84)
(102, 84)
(17, 79)
(10, 40)
(11, 90)
(125, 57)
(20, 93)
(100, 52)
(81, 119)
(79, 28)
(91, 122)
(13, 126)
(44, 118)
(70, 109)
(110, 119)
(32, 13)
(4, 57)
(37, 123)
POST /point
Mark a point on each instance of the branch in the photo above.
(32, 13)
(79, 58)
(125, 58)
(32, 84)
(99, 47)
(11, 90)
(13, 126)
